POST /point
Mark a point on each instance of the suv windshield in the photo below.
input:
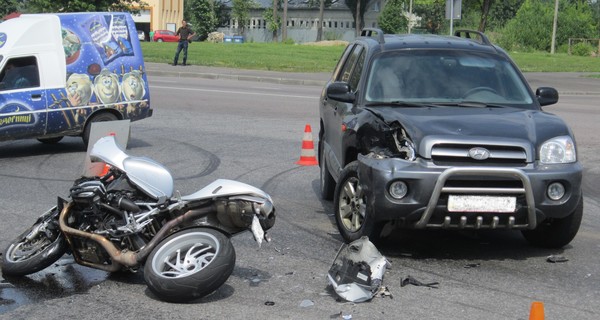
(445, 77)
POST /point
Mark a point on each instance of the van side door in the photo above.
(22, 99)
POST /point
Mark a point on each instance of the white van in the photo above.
(61, 72)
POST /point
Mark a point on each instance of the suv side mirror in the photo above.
(340, 91)
(546, 96)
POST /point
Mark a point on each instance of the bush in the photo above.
(532, 26)
(582, 49)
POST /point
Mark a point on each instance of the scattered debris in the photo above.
(472, 265)
(254, 282)
(357, 271)
(340, 315)
(384, 292)
(269, 303)
(410, 280)
(555, 259)
(306, 303)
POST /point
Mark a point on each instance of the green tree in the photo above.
(502, 12)
(392, 18)
(37, 6)
(240, 11)
(432, 13)
(357, 6)
(321, 4)
(7, 6)
(531, 29)
(272, 24)
(201, 14)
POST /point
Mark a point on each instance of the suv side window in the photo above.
(353, 67)
(355, 77)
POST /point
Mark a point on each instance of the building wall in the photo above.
(160, 15)
(303, 23)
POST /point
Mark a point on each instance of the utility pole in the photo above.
(554, 26)
(284, 22)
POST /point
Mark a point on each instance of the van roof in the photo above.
(29, 34)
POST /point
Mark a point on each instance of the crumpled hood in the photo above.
(506, 123)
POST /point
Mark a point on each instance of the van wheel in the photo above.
(105, 116)
(50, 140)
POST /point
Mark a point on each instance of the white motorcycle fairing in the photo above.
(156, 180)
(149, 175)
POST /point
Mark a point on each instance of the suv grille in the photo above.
(458, 155)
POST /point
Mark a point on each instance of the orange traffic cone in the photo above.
(307, 155)
(537, 311)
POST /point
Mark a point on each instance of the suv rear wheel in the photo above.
(350, 205)
(556, 233)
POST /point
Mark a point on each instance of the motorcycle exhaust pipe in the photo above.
(127, 258)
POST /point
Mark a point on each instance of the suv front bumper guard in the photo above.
(440, 187)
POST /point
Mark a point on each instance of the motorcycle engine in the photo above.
(88, 192)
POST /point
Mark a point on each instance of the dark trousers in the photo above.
(183, 44)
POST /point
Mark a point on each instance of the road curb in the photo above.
(214, 76)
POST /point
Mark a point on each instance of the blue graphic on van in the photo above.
(16, 117)
(109, 35)
(3, 38)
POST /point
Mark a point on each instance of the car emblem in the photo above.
(479, 153)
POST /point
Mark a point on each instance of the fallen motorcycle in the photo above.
(130, 217)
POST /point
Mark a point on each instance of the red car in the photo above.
(165, 35)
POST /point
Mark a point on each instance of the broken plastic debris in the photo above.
(410, 280)
(257, 231)
(472, 265)
(341, 315)
(554, 259)
(357, 271)
(254, 282)
(306, 303)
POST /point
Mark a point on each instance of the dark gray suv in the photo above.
(426, 131)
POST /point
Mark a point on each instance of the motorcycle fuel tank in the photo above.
(150, 176)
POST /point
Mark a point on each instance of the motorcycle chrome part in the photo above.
(185, 255)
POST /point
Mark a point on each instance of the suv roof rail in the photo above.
(368, 32)
(473, 34)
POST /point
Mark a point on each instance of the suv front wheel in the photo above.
(350, 205)
(556, 233)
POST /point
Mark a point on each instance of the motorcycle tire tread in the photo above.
(199, 284)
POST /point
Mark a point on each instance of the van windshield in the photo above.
(446, 77)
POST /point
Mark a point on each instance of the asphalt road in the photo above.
(251, 131)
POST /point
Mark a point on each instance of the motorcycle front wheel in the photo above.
(36, 248)
(189, 264)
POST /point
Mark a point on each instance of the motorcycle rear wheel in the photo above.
(189, 264)
(26, 256)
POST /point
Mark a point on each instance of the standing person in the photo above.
(151, 35)
(185, 33)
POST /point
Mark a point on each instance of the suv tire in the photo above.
(556, 233)
(350, 205)
(326, 182)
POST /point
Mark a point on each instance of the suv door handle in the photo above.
(36, 97)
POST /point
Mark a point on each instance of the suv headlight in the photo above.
(558, 150)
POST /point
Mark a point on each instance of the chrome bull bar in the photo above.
(440, 187)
